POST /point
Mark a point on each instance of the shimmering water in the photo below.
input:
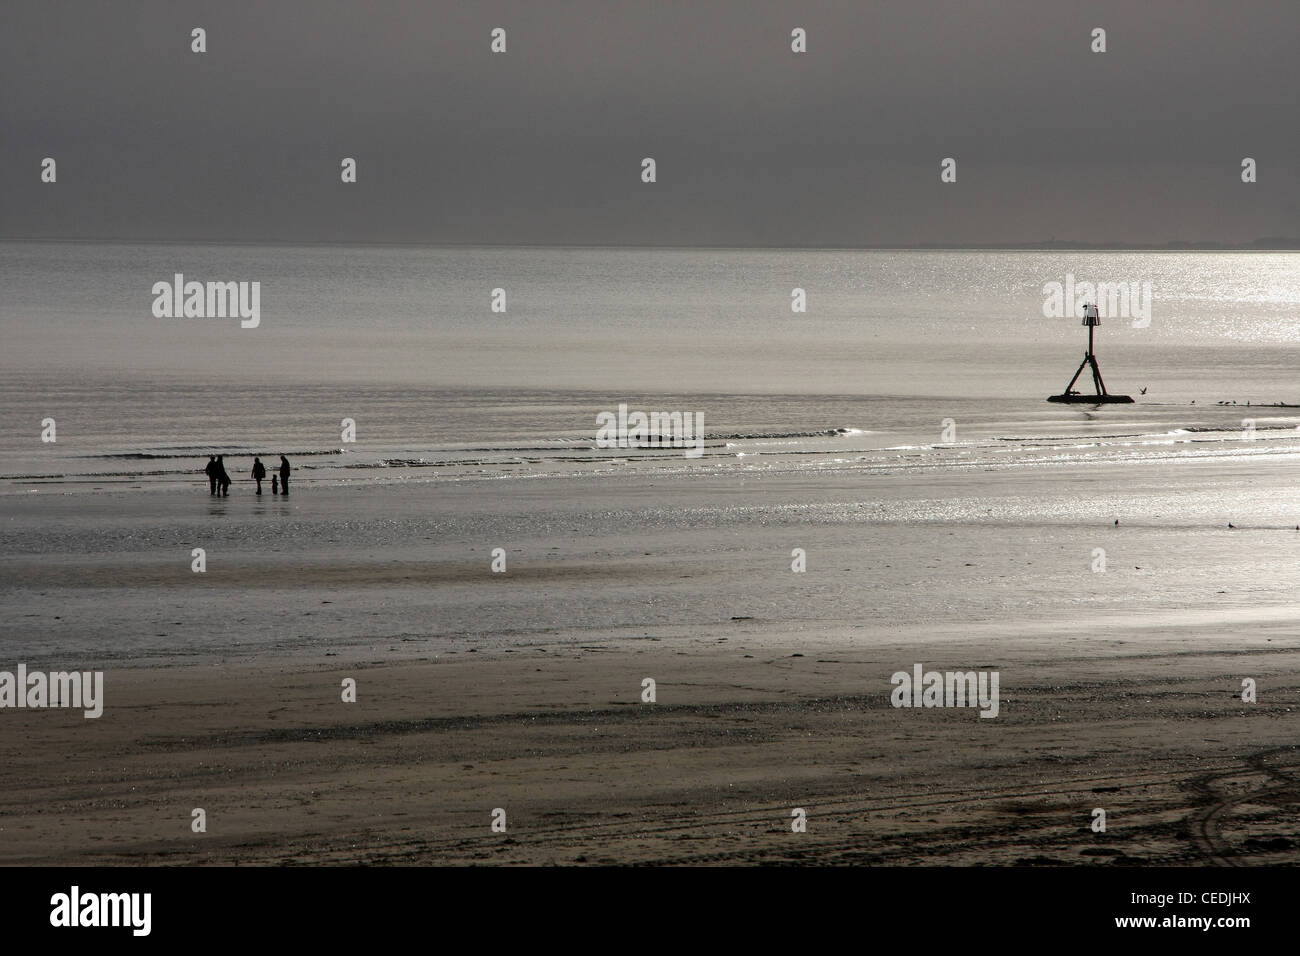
(405, 342)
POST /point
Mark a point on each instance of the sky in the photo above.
(754, 145)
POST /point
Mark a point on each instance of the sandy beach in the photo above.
(746, 727)
(523, 690)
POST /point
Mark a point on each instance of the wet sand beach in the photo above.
(522, 690)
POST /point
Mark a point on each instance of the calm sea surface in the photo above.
(404, 341)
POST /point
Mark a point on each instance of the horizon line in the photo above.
(1262, 244)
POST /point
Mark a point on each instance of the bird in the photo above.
(1231, 525)
(1143, 390)
(1117, 522)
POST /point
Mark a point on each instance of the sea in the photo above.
(466, 362)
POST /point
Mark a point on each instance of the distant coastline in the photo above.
(1266, 244)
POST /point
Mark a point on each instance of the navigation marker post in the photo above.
(1092, 319)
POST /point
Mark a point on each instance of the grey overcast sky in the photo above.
(755, 145)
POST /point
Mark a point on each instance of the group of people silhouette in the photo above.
(219, 480)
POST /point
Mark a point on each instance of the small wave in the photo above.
(1052, 438)
(824, 433)
(238, 452)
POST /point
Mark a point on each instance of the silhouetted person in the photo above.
(259, 472)
(275, 483)
(211, 472)
(223, 479)
(284, 475)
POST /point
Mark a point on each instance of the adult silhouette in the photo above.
(259, 472)
(223, 479)
(284, 475)
(211, 471)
